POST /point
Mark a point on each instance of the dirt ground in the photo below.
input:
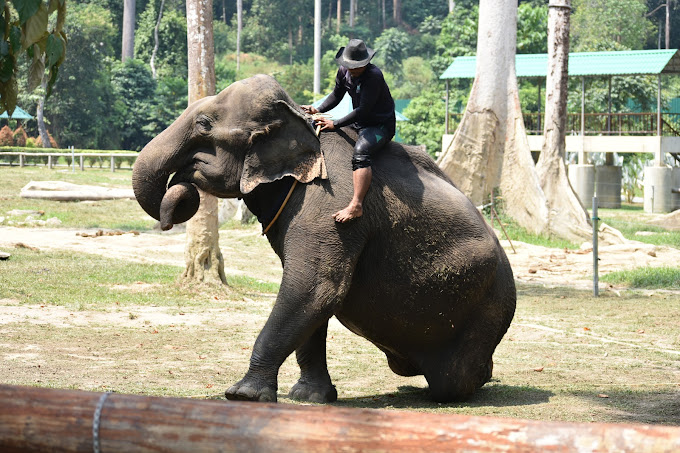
(530, 263)
(558, 360)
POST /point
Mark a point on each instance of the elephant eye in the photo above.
(203, 124)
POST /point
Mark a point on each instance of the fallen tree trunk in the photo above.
(65, 191)
(36, 419)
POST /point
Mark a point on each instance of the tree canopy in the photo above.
(98, 102)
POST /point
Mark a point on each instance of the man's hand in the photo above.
(309, 109)
(326, 124)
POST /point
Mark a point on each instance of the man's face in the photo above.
(356, 72)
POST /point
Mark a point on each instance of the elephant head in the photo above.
(251, 133)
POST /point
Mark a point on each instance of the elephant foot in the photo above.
(314, 393)
(251, 391)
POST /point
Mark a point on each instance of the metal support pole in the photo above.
(446, 126)
(582, 154)
(659, 155)
(595, 219)
(540, 131)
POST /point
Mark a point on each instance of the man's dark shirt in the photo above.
(371, 98)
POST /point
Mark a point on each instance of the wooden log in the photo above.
(37, 419)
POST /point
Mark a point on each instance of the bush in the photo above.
(20, 137)
(6, 136)
(31, 142)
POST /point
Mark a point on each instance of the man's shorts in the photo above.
(370, 140)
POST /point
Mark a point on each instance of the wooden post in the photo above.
(22, 160)
(113, 164)
(82, 163)
(37, 419)
(49, 161)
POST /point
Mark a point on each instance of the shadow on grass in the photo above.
(491, 395)
(630, 406)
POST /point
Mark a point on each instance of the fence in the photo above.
(52, 160)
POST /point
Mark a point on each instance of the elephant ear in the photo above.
(287, 146)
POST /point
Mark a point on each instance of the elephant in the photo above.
(421, 274)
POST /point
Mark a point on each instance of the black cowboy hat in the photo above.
(355, 55)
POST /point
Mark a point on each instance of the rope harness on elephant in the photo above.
(292, 188)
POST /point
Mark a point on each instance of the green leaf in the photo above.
(6, 68)
(54, 50)
(36, 73)
(15, 39)
(26, 9)
(35, 27)
(4, 48)
(54, 71)
(3, 22)
(8, 95)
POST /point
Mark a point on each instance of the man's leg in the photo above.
(370, 140)
(361, 178)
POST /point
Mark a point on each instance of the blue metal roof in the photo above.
(627, 62)
(18, 114)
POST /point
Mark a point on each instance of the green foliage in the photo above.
(81, 106)
(417, 77)
(604, 24)
(426, 122)
(26, 31)
(459, 33)
(171, 99)
(532, 28)
(134, 91)
(171, 58)
(632, 173)
(391, 49)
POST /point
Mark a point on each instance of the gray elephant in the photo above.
(421, 274)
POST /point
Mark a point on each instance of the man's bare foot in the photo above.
(350, 212)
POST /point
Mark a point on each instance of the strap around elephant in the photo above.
(283, 205)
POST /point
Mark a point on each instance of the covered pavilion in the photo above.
(661, 138)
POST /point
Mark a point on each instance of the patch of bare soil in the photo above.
(149, 247)
(530, 263)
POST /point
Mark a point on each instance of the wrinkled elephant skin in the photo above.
(420, 275)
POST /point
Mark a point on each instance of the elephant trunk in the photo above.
(150, 176)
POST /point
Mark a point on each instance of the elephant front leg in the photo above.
(290, 326)
(315, 383)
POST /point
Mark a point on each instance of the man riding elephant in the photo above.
(373, 116)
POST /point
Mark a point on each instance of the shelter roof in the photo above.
(18, 114)
(627, 62)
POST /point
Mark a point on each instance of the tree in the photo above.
(492, 123)
(599, 24)
(129, 14)
(26, 31)
(202, 254)
(426, 122)
(134, 89)
(156, 43)
(567, 217)
(82, 108)
(171, 56)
